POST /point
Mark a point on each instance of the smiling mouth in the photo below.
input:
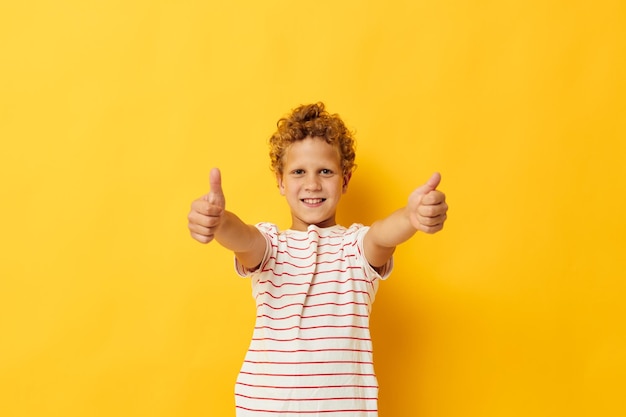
(313, 200)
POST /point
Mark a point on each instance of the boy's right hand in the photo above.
(206, 212)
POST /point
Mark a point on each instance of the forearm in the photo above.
(245, 240)
(392, 230)
(425, 211)
(385, 234)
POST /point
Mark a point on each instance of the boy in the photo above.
(314, 283)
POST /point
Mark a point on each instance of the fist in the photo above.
(427, 206)
(206, 212)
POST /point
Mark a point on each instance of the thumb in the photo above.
(415, 199)
(431, 184)
(216, 195)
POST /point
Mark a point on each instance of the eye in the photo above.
(297, 172)
(326, 171)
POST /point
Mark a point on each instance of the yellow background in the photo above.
(113, 112)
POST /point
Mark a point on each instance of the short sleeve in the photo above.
(372, 273)
(270, 232)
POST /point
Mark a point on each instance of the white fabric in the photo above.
(311, 353)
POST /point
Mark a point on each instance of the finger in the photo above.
(216, 195)
(432, 210)
(210, 219)
(429, 186)
(431, 224)
(201, 238)
(431, 221)
(434, 197)
(201, 230)
(430, 229)
(433, 181)
(200, 205)
(215, 180)
(202, 208)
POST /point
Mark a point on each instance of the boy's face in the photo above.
(312, 182)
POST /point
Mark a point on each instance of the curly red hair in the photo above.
(312, 120)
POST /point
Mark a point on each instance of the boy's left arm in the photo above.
(425, 211)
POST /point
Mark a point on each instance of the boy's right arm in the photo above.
(208, 220)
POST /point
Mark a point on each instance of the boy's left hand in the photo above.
(427, 206)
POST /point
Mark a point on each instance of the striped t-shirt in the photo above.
(311, 353)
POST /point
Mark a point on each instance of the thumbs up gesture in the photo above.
(427, 206)
(207, 211)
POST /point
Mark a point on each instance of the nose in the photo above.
(313, 183)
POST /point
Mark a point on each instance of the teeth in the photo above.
(313, 200)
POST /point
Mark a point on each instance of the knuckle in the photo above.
(427, 211)
(199, 238)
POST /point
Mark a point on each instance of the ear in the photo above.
(346, 180)
(279, 182)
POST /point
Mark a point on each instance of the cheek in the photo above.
(338, 187)
(287, 188)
